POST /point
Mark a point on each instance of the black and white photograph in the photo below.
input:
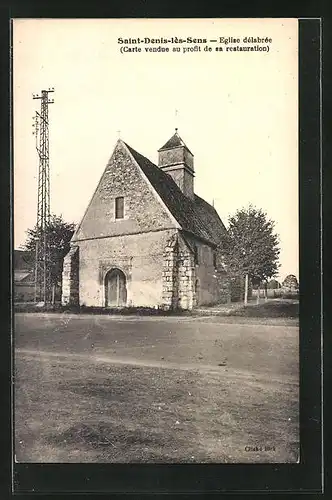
(156, 241)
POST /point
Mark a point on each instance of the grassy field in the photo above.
(103, 389)
(278, 308)
(272, 308)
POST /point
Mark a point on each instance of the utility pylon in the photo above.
(42, 259)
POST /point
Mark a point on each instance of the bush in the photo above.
(273, 309)
(290, 295)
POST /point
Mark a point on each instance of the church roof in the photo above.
(174, 142)
(195, 216)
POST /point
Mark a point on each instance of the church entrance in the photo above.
(115, 289)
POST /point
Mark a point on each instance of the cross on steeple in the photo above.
(119, 133)
(176, 121)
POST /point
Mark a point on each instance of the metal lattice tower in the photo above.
(42, 260)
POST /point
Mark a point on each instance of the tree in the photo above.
(273, 284)
(252, 247)
(290, 282)
(59, 234)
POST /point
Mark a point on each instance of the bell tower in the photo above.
(177, 160)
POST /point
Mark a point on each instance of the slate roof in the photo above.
(211, 218)
(23, 276)
(174, 142)
(194, 216)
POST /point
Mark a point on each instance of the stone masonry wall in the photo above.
(138, 256)
(184, 180)
(171, 156)
(207, 282)
(179, 156)
(70, 278)
(170, 299)
(178, 275)
(186, 277)
(143, 211)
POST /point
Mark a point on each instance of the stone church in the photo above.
(146, 239)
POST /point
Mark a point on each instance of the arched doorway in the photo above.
(115, 288)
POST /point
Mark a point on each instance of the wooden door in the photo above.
(115, 289)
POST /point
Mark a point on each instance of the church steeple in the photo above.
(177, 160)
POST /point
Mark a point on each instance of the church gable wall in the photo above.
(143, 211)
(138, 256)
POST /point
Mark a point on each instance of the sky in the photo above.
(236, 111)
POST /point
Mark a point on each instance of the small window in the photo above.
(214, 260)
(195, 254)
(119, 207)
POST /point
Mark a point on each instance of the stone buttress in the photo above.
(178, 275)
(70, 277)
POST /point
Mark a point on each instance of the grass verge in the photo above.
(276, 308)
(272, 309)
